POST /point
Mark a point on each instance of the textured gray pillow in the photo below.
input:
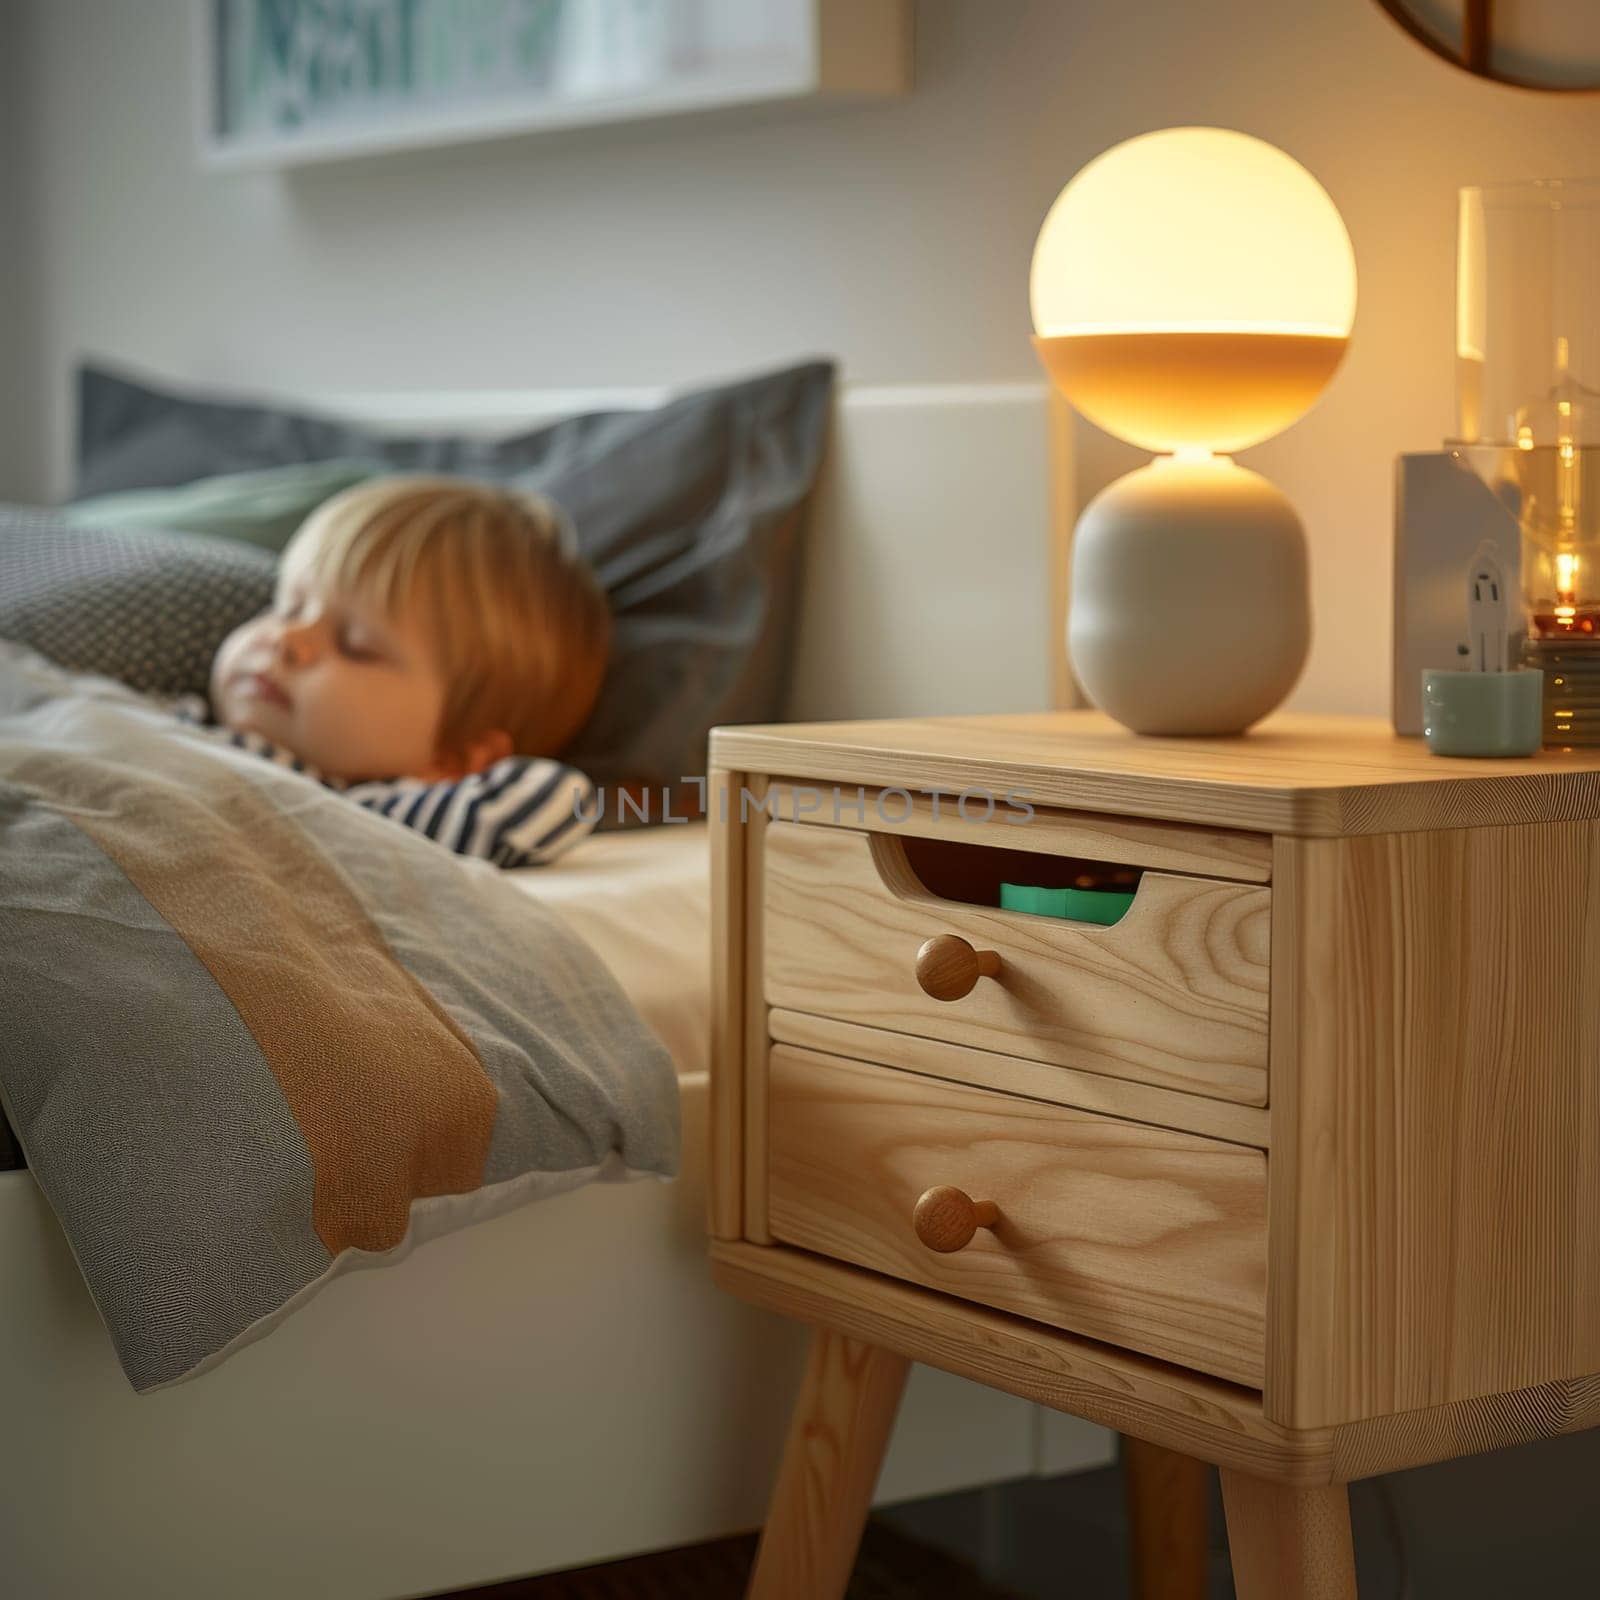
(148, 608)
(691, 513)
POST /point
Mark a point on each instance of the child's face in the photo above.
(330, 677)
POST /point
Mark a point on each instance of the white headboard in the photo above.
(935, 568)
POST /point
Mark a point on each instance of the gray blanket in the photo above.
(252, 1035)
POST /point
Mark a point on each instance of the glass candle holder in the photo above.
(1528, 384)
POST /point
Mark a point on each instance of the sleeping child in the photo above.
(432, 643)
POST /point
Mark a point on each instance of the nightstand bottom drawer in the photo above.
(1146, 1238)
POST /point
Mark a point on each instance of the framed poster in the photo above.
(288, 81)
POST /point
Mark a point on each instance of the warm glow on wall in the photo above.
(1193, 289)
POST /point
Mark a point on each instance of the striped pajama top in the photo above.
(520, 812)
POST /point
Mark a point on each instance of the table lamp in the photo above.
(1192, 293)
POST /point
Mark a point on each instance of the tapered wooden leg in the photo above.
(1167, 1538)
(1288, 1544)
(837, 1435)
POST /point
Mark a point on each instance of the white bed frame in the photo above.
(563, 1385)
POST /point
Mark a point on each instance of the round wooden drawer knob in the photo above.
(948, 967)
(946, 1218)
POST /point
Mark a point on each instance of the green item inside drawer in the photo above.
(1104, 906)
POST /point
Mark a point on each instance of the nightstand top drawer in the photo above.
(1174, 994)
(1314, 776)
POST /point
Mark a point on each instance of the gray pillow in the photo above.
(261, 508)
(691, 513)
(148, 608)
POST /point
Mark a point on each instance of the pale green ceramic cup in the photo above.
(1483, 713)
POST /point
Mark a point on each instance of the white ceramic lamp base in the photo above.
(1190, 608)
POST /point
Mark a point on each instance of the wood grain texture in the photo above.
(1435, 1175)
(754, 1089)
(1314, 776)
(1130, 841)
(1145, 1238)
(1168, 1522)
(1288, 1543)
(1181, 1410)
(837, 1436)
(1035, 1080)
(1145, 1399)
(1175, 994)
(725, 1177)
(1468, 1427)
(1432, 1285)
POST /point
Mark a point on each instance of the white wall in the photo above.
(895, 236)
(18, 434)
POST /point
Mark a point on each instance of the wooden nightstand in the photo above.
(1294, 1169)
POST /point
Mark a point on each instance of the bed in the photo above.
(561, 1385)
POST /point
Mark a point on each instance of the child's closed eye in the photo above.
(358, 647)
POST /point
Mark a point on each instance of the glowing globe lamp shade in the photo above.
(1193, 292)
(1193, 289)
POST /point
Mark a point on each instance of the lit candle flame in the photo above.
(1567, 577)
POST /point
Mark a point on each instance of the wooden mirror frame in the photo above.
(1477, 55)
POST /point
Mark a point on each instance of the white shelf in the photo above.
(805, 51)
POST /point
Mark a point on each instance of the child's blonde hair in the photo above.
(518, 621)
